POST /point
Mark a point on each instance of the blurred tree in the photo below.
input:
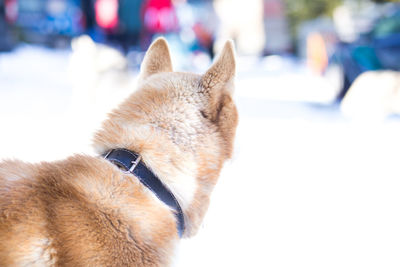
(302, 10)
(299, 11)
(384, 1)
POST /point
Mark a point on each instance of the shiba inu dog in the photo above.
(159, 156)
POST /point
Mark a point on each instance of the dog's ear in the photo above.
(217, 82)
(221, 73)
(217, 86)
(157, 59)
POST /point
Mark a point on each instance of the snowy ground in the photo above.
(305, 187)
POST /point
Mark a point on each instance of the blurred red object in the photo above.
(159, 16)
(11, 10)
(203, 35)
(107, 13)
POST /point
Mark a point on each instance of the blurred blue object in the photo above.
(377, 49)
(7, 40)
(48, 21)
(119, 23)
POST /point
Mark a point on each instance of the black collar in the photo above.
(131, 162)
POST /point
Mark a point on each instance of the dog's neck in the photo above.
(130, 162)
(189, 173)
(177, 170)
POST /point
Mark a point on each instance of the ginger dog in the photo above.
(88, 211)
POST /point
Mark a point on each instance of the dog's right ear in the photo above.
(222, 72)
(218, 80)
(157, 59)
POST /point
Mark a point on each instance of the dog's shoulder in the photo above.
(81, 210)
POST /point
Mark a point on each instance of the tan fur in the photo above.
(84, 211)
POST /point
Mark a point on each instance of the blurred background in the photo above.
(315, 177)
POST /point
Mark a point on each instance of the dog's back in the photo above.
(80, 212)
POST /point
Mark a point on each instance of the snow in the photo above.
(305, 187)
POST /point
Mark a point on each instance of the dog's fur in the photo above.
(84, 211)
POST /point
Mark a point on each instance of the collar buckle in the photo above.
(124, 159)
(135, 163)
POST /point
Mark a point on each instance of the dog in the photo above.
(159, 157)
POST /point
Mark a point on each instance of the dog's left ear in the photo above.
(157, 59)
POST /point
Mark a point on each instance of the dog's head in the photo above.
(182, 124)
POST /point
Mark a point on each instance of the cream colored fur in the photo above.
(84, 211)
